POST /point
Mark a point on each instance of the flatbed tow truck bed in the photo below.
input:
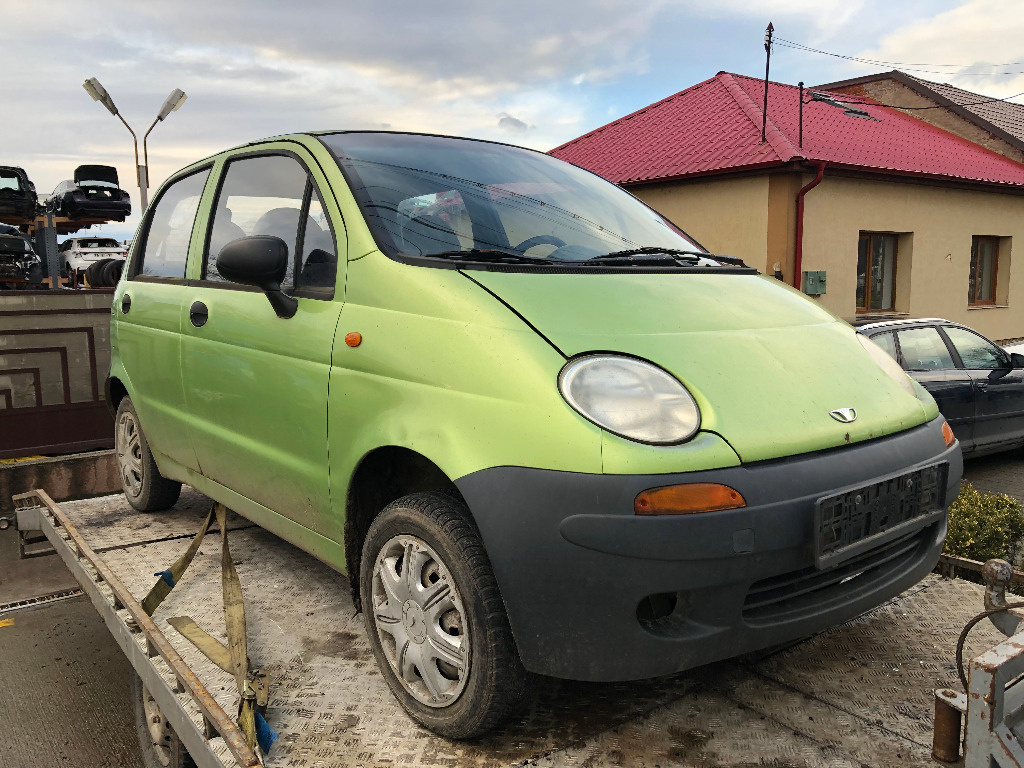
(858, 694)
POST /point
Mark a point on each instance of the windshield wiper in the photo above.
(495, 256)
(666, 254)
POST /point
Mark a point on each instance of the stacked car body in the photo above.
(20, 267)
(92, 194)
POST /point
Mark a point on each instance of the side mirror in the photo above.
(1016, 360)
(261, 260)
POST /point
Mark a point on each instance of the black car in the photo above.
(92, 194)
(20, 267)
(17, 195)
(978, 385)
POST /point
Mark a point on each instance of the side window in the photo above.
(924, 350)
(319, 262)
(165, 248)
(886, 341)
(976, 352)
(259, 196)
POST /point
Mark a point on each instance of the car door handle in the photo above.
(126, 304)
(981, 385)
(198, 314)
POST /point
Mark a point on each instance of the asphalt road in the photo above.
(64, 683)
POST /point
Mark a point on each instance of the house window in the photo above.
(876, 272)
(981, 286)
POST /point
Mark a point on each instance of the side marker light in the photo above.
(354, 339)
(947, 434)
(687, 499)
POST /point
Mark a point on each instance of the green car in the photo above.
(539, 428)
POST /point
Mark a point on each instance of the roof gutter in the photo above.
(798, 255)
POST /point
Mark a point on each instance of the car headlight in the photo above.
(888, 365)
(630, 398)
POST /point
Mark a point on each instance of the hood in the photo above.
(765, 364)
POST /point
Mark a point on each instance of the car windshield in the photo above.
(93, 183)
(98, 244)
(463, 199)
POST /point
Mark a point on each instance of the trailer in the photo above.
(858, 694)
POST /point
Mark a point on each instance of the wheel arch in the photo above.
(114, 391)
(383, 475)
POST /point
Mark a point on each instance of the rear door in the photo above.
(999, 388)
(255, 383)
(924, 354)
(148, 334)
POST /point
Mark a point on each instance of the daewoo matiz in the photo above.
(540, 428)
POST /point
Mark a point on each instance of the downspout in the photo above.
(798, 256)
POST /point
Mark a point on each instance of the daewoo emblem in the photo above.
(845, 415)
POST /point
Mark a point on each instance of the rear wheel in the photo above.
(435, 619)
(144, 487)
(158, 742)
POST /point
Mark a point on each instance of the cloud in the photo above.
(512, 124)
(987, 33)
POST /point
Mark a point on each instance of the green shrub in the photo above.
(984, 525)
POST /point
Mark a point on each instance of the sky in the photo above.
(535, 73)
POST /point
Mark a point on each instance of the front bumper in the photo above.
(574, 564)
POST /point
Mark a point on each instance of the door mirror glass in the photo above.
(261, 260)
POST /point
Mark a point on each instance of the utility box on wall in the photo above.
(814, 282)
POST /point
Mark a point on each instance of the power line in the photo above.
(910, 67)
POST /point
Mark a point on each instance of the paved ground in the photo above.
(998, 473)
(63, 681)
(851, 696)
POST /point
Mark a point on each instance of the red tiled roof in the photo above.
(715, 127)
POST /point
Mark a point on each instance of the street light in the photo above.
(171, 104)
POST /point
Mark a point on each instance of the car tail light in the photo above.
(687, 499)
(947, 434)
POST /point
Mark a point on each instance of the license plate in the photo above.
(855, 521)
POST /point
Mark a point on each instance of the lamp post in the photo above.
(171, 104)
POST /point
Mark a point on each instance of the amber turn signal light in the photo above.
(947, 434)
(687, 499)
(354, 339)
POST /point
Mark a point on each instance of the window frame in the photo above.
(976, 241)
(141, 239)
(867, 271)
(307, 195)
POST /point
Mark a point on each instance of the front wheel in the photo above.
(158, 743)
(435, 619)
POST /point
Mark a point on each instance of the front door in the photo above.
(999, 388)
(256, 384)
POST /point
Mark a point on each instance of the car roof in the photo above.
(295, 136)
(876, 323)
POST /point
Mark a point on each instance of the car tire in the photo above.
(111, 273)
(144, 487)
(94, 273)
(440, 605)
(158, 743)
